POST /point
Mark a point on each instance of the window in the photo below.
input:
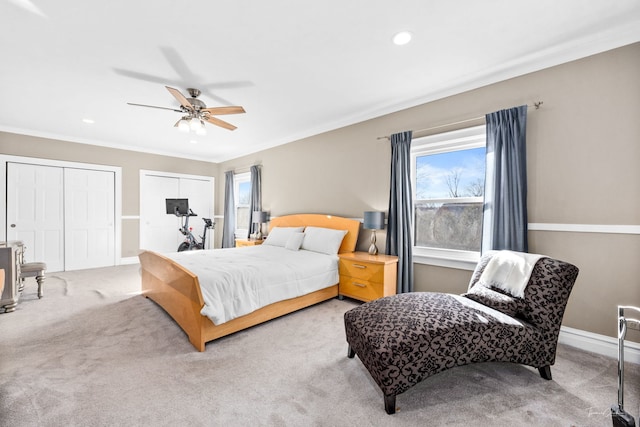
(448, 172)
(242, 195)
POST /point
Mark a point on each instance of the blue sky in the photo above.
(432, 172)
(245, 193)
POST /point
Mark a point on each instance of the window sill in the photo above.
(446, 258)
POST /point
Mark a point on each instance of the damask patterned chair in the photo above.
(403, 339)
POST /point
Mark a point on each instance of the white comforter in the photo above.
(237, 281)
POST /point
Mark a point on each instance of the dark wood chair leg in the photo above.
(350, 353)
(390, 404)
(545, 372)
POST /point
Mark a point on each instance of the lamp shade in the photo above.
(259, 217)
(373, 220)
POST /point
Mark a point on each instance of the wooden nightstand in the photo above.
(245, 242)
(367, 277)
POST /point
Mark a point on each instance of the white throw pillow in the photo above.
(278, 236)
(294, 242)
(323, 240)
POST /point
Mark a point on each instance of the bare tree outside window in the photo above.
(453, 181)
(476, 188)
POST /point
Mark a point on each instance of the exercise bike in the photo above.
(190, 243)
(180, 208)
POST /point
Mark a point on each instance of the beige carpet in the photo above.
(93, 352)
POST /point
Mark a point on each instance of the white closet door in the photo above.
(35, 212)
(89, 218)
(158, 231)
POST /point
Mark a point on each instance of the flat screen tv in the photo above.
(179, 206)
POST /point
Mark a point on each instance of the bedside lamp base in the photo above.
(373, 249)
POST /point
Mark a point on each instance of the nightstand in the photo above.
(367, 277)
(245, 242)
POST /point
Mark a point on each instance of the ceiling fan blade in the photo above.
(180, 97)
(217, 111)
(219, 122)
(153, 106)
(144, 76)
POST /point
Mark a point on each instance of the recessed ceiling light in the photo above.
(403, 37)
(88, 121)
(193, 141)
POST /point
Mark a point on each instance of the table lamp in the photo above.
(373, 221)
(259, 217)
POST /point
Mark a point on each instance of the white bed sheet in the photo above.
(237, 281)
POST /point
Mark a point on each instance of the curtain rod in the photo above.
(536, 105)
(237, 169)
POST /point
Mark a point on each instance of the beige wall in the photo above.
(131, 163)
(583, 148)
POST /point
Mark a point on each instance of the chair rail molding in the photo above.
(586, 228)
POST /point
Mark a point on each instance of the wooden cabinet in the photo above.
(367, 277)
(245, 242)
(10, 260)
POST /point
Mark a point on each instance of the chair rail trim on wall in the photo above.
(586, 228)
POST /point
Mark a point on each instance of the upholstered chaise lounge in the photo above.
(403, 339)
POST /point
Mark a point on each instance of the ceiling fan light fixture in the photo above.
(195, 123)
(201, 130)
(183, 125)
(195, 112)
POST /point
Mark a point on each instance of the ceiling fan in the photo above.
(196, 112)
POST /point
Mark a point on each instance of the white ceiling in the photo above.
(299, 68)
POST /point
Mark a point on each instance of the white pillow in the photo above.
(278, 236)
(294, 242)
(323, 240)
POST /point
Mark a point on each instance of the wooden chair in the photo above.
(33, 269)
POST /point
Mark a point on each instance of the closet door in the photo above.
(158, 231)
(89, 218)
(35, 212)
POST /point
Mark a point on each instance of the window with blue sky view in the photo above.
(242, 195)
(449, 190)
(452, 174)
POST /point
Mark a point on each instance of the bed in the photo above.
(177, 289)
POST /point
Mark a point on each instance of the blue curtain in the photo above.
(229, 229)
(400, 217)
(505, 198)
(255, 202)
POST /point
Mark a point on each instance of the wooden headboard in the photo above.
(327, 221)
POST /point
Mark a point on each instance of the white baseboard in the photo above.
(600, 344)
(129, 260)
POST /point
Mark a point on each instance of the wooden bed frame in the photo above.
(177, 290)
